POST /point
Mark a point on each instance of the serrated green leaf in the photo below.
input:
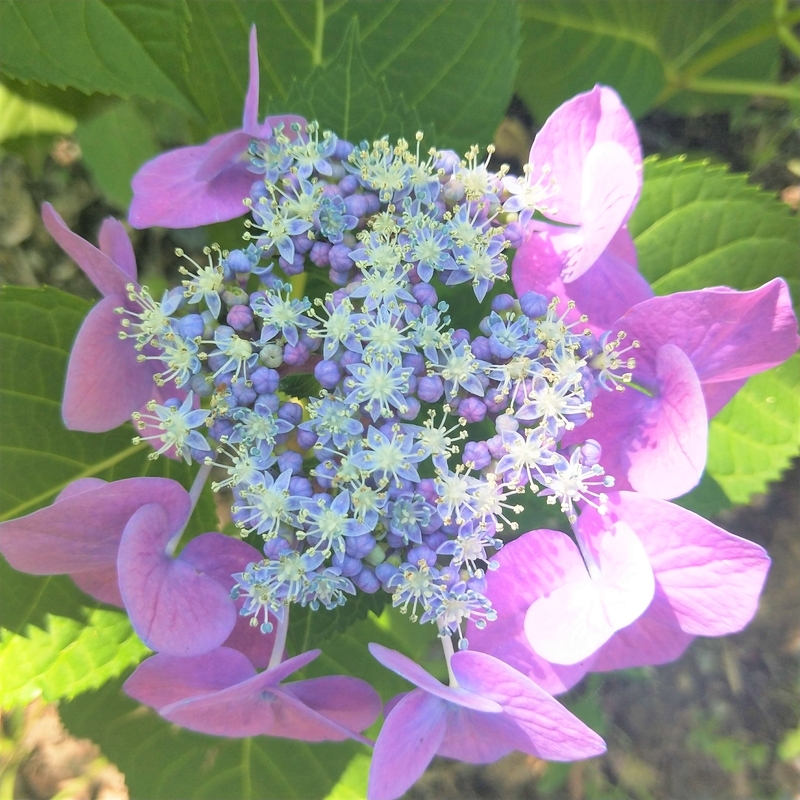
(21, 117)
(115, 144)
(698, 225)
(756, 435)
(160, 760)
(451, 62)
(650, 51)
(82, 44)
(67, 657)
(345, 97)
(40, 457)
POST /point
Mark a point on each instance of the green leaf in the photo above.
(82, 44)
(451, 62)
(648, 50)
(160, 760)
(754, 438)
(698, 225)
(346, 98)
(115, 144)
(353, 783)
(67, 657)
(40, 457)
(21, 117)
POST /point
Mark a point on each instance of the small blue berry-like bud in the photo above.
(476, 453)
(503, 302)
(349, 565)
(328, 373)
(425, 294)
(300, 487)
(295, 354)
(339, 257)
(506, 423)
(434, 540)
(267, 404)
(240, 317)
(292, 461)
(515, 235)
(291, 412)
(348, 184)
(385, 571)
(191, 326)
(294, 267)
(238, 262)
(245, 395)
(430, 389)
(359, 546)
(460, 335)
(319, 254)
(306, 439)
(473, 409)
(265, 380)
(200, 386)
(357, 204)
(591, 452)
(412, 408)
(481, 348)
(367, 580)
(533, 304)
(422, 552)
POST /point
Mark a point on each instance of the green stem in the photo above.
(319, 34)
(782, 91)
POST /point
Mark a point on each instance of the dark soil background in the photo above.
(707, 726)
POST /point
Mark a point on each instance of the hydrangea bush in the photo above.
(313, 377)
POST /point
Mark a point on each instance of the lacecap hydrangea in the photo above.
(365, 443)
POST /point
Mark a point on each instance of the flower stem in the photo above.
(447, 646)
(280, 640)
(194, 496)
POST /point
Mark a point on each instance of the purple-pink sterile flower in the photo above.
(695, 351)
(585, 170)
(106, 382)
(79, 535)
(641, 582)
(206, 183)
(221, 694)
(488, 710)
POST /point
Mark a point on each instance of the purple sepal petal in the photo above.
(530, 567)
(254, 705)
(567, 625)
(173, 607)
(82, 530)
(727, 335)
(116, 244)
(109, 278)
(168, 192)
(102, 584)
(79, 487)
(349, 702)
(421, 678)
(604, 293)
(712, 578)
(543, 727)
(220, 557)
(408, 741)
(610, 184)
(105, 383)
(164, 679)
(668, 455)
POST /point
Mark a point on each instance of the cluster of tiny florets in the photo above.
(339, 423)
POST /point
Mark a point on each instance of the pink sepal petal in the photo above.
(79, 487)
(109, 278)
(567, 136)
(349, 702)
(220, 557)
(530, 567)
(477, 738)
(257, 706)
(250, 114)
(727, 335)
(116, 244)
(102, 584)
(164, 679)
(168, 192)
(407, 743)
(567, 625)
(105, 383)
(655, 638)
(668, 452)
(711, 578)
(610, 184)
(544, 727)
(82, 530)
(172, 606)
(603, 293)
(414, 673)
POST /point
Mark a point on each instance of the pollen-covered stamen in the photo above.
(152, 323)
(456, 605)
(572, 481)
(610, 360)
(209, 281)
(174, 427)
(265, 506)
(181, 357)
(245, 468)
(552, 329)
(440, 441)
(415, 586)
(491, 506)
(528, 195)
